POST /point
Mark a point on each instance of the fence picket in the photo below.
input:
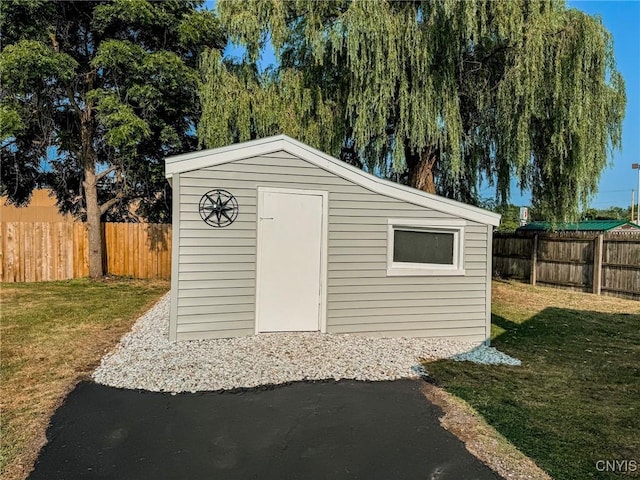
(41, 251)
(572, 261)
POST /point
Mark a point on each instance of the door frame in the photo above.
(322, 321)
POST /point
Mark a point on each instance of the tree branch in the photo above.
(73, 102)
(101, 175)
(110, 203)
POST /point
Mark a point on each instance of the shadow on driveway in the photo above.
(326, 430)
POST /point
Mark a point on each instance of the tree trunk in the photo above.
(422, 169)
(93, 222)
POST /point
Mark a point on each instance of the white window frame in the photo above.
(455, 227)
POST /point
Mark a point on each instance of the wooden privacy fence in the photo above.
(605, 263)
(40, 251)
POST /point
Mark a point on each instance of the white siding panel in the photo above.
(375, 297)
(191, 200)
(428, 320)
(251, 170)
(360, 247)
(403, 284)
(199, 234)
(355, 230)
(213, 258)
(194, 214)
(281, 154)
(199, 327)
(215, 292)
(212, 284)
(364, 196)
(472, 334)
(380, 260)
(470, 272)
(416, 301)
(193, 194)
(380, 215)
(337, 244)
(242, 223)
(216, 300)
(220, 317)
(223, 177)
(216, 309)
(356, 265)
(208, 250)
(216, 267)
(205, 185)
(212, 275)
(213, 334)
(216, 241)
(217, 270)
(435, 323)
(403, 310)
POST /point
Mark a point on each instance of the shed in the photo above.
(273, 235)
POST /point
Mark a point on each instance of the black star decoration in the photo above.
(218, 208)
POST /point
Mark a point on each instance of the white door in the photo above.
(290, 235)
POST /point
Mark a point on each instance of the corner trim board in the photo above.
(488, 286)
(175, 257)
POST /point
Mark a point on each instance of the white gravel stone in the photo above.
(486, 355)
(145, 359)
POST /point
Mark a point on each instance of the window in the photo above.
(422, 247)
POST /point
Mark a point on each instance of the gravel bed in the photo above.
(145, 359)
(486, 355)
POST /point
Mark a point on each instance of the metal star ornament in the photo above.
(218, 208)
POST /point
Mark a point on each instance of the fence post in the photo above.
(597, 263)
(534, 260)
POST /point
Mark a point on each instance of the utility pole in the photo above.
(633, 202)
(636, 166)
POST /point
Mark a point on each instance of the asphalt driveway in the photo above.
(329, 430)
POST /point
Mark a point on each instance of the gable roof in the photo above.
(584, 226)
(218, 156)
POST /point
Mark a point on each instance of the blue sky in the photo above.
(622, 19)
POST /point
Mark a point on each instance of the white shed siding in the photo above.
(216, 277)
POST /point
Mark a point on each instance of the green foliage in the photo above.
(29, 62)
(239, 104)
(112, 86)
(482, 88)
(510, 219)
(10, 122)
(611, 213)
(124, 129)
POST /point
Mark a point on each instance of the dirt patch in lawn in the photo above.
(482, 440)
(523, 300)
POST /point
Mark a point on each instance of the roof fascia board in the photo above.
(218, 156)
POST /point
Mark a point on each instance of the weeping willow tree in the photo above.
(239, 104)
(436, 94)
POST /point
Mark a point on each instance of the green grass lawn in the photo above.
(54, 333)
(576, 398)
